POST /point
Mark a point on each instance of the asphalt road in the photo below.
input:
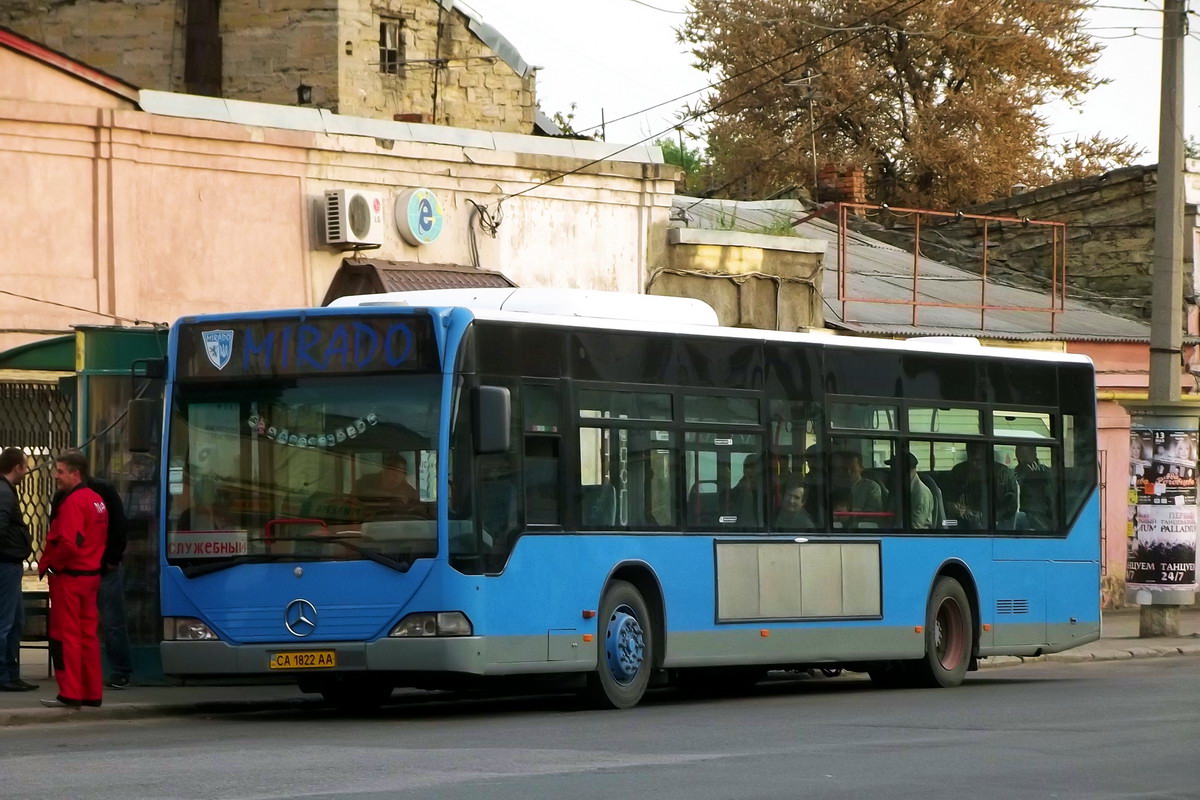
(1117, 729)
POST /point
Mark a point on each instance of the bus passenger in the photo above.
(747, 494)
(793, 515)
(1033, 477)
(388, 490)
(865, 496)
(920, 496)
(970, 488)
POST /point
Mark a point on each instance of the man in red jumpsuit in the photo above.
(74, 548)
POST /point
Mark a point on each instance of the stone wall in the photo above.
(474, 88)
(139, 41)
(271, 47)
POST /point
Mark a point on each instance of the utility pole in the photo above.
(1160, 609)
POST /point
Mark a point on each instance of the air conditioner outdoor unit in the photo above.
(353, 218)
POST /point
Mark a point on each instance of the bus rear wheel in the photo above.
(949, 637)
(626, 657)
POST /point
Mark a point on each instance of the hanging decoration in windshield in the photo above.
(296, 438)
(245, 348)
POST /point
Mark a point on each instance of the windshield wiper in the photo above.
(370, 555)
(196, 570)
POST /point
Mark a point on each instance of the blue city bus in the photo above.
(611, 492)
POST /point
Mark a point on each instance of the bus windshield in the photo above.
(301, 469)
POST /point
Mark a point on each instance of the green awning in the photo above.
(56, 354)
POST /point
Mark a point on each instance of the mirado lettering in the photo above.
(346, 345)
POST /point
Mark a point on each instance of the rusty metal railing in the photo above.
(1057, 243)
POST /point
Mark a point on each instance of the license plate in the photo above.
(306, 659)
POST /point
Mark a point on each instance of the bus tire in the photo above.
(625, 659)
(360, 694)
(949, 636)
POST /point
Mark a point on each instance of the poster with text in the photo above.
(1162, 549)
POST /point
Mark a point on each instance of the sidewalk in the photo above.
(1120, 642)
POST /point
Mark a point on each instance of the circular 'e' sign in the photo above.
(419, 216)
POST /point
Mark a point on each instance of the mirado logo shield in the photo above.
(218, 346)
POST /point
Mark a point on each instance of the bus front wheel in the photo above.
(626, 653)
(949, 636)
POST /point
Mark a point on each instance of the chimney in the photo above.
(842, 185)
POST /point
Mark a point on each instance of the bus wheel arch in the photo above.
(646, 582)
(628, 640)
(962, 573)
(950, 635)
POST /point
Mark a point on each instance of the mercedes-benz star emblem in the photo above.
(300, 617)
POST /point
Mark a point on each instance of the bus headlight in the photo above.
(431, 623)
(187, 629)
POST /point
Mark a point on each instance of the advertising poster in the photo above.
(1162, 544)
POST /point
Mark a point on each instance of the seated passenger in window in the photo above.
(792, 514)
(970, 489)
(864, 497)
(1037, 493)
(388, 493)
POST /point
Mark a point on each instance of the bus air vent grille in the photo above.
(1012, 606)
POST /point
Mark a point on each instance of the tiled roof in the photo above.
(371, 276)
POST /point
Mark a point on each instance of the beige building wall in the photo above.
(149, 216)
(270, 47)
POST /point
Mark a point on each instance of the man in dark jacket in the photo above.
(16, 545)
(111, 596)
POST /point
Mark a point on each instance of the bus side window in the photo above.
(541, 413)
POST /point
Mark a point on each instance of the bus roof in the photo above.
(584, 308)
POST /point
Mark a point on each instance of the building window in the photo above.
(390, 49)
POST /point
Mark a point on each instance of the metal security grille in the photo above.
(35, 417)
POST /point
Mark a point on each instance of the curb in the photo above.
(1076, 657)
(116, 711)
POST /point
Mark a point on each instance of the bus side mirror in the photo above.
(492, 419)
(143, 422)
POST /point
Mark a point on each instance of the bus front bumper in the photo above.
(462, 654)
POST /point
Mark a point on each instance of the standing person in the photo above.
(1037, 494)
(920, 496)
(110, 599)
(16, 545)
(74, 552)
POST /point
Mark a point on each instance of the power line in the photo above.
(1134, 31)
(861, 96)
(84, 310)
(656, 8)
(714, 107)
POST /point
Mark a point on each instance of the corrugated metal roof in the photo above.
(882, 271)
(490, 36)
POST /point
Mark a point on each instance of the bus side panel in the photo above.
(532, 613)
(1073, 604)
